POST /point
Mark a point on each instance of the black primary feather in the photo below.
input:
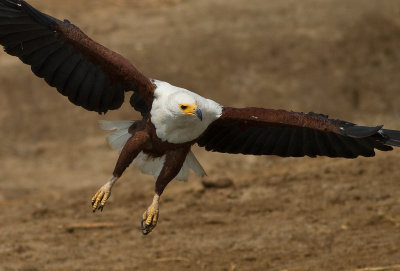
(252, 136)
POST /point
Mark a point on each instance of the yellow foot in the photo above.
(150, 216)
(102, 195)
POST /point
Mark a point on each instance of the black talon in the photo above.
(141, 224)
(101, 208)
(145, 228)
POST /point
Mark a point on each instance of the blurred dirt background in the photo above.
(340, 58)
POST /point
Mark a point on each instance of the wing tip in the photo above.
(356, 131)
(392, 137)
(15, 4)
(35, 14)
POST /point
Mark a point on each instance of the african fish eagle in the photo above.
(173, 118)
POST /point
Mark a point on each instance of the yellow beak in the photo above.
(191, 109)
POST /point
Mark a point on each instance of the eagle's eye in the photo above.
(183, 107)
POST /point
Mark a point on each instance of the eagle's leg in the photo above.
(102, 195)
(150, 216)
(132, 148)
(173, 163)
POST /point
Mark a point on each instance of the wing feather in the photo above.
(271, 139)
(86, 88)
(28, 47)
(296, 143)
(53, 62)
(39, 57)
(63, 75)
(69, 60)
(277, 132)
(97, 92)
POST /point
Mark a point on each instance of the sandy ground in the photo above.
(340, 58)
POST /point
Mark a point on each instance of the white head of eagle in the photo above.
(180, 115)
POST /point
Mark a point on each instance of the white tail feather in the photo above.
(117, 139)
(109, 125)
(194, 164)
(152, 166)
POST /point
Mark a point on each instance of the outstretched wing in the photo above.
(89, 74)
(277, 132)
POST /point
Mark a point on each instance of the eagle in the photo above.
(173, 118)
